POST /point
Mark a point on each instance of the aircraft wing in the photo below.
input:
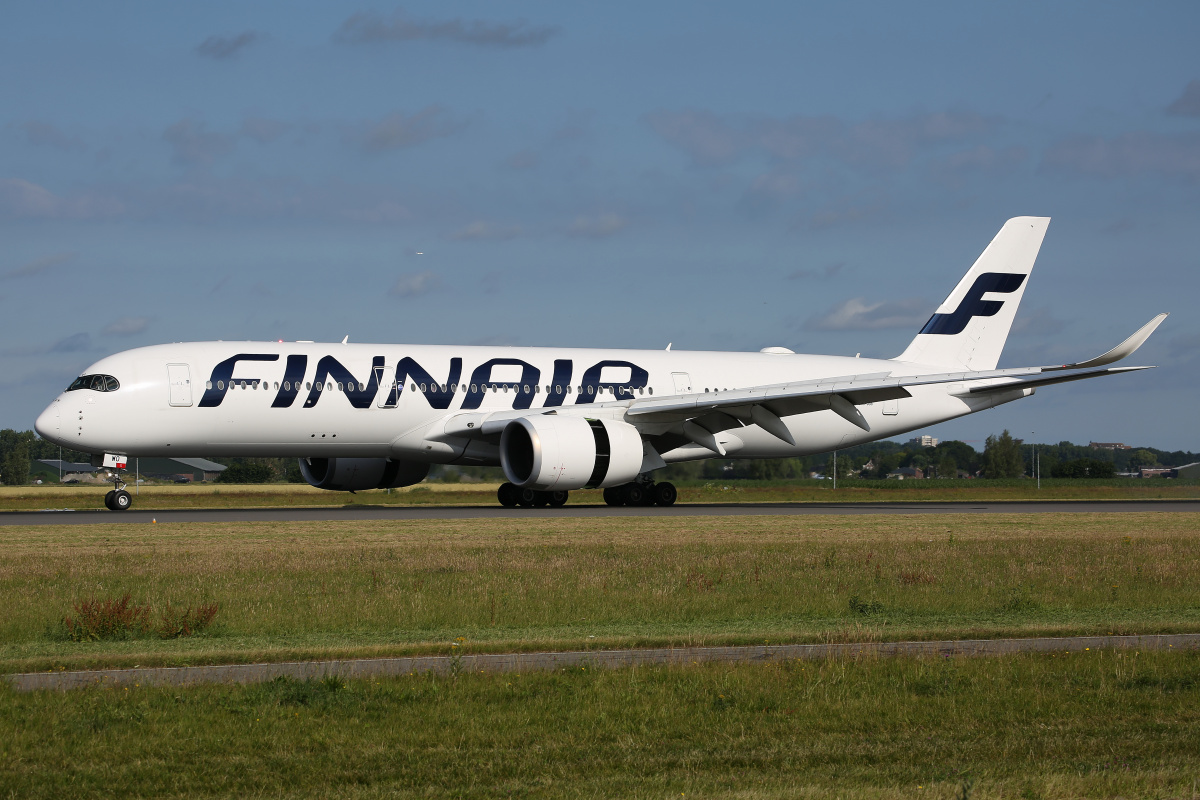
(700, 415)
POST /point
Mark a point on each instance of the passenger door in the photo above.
(180, 379)
(683, 382)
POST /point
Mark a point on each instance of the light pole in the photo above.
(1034, 472)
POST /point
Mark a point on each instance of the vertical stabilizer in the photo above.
(969, 329)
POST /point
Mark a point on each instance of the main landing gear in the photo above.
(642, 494)
(629, 494)
(511, 496)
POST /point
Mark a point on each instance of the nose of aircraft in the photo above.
(48, 423)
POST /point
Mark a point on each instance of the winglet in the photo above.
(1122, 350)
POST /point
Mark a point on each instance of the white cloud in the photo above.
(398, 130)
(24, 200)
(193, 143)
(598, 226)
(44, 134)
(126, 326)
(371, 27)
(486, 231)
(222, 47)
(1188, 103)
(856, 314)
(1128, 155)
(415, 284)
(877, 144)
(39, 265)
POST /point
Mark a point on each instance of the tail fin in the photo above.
(968, 330)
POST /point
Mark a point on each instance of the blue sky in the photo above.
(602, 174)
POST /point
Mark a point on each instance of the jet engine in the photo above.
(357, 474)
(560, 452)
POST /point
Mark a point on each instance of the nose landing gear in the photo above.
(118, 499)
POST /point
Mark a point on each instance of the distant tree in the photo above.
(243, 472)
(947, 467)
(14, 456)
(1142, 458)
(1002, 457)
(963, 454)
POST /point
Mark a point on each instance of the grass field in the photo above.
(1096, 724)
(159, 496)
(316, 590)
(1092, 724)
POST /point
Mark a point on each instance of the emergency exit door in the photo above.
(683, 383)
(180, 379)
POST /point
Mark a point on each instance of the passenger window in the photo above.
(473, 391)
(651, 390)
(443, 387)
(208, 384)
(220, 384)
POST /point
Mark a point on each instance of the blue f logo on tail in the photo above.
(973, 304)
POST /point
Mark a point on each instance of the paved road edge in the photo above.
(608, 659)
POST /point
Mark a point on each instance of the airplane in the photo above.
(367, 416)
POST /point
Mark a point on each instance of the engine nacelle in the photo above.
(560, 452)
(358, 474)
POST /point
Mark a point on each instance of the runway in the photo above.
(582, 659)
(365, 513)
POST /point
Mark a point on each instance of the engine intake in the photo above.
(560, 452)
(358, 474)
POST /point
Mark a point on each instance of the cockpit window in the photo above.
(97, 383)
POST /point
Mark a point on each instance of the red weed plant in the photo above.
(121, 618)
(107, 619)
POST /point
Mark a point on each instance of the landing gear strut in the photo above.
(511, 496)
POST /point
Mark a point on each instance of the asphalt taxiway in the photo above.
(369, 512)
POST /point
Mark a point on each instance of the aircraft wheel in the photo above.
(541, 499)
(507, 495)
(108, 499)
(635, 495)
(121, 501)
(613, 496)
(665, 494)
(557, 499)
(527, 498)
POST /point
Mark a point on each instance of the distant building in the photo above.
(1186, 471)
(910, 473)
(177, 469)
(69, 470)
(924, 441)
(1109, 446)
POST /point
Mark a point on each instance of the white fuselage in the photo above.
(201, 399)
